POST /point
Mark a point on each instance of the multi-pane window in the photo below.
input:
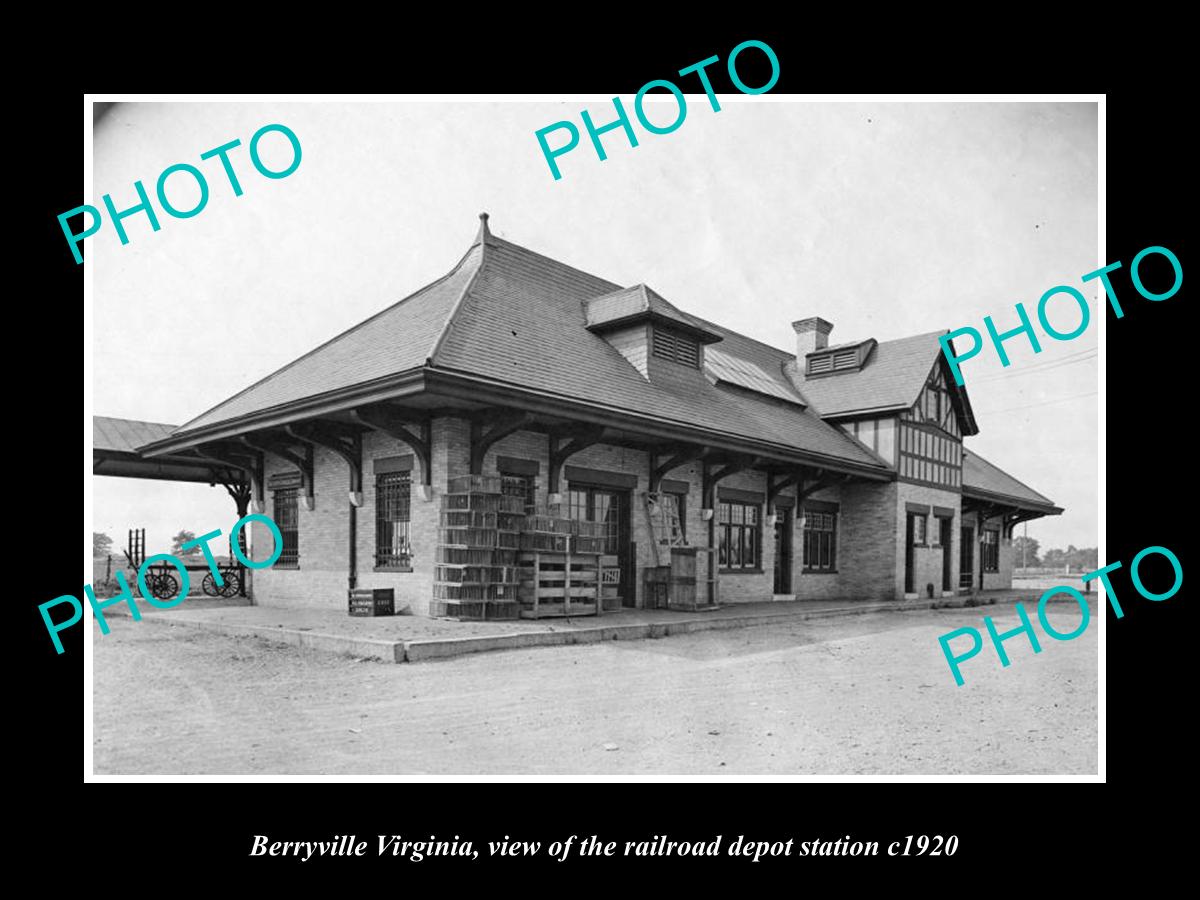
(820, 541)
(287, 519)
(920, 530)
(522, 486)
(676, 347)
(393, 508)
(989, 550)
(738, 535)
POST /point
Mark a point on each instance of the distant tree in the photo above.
(1025, 552)
(101, 544)
(182, 538)
(1054, 558)
(1079, 559)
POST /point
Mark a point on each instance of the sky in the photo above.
(887, 219)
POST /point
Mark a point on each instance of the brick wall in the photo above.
(323, 532)
(1002, 580)
(928, 559)
(869, 545)
(867, 541)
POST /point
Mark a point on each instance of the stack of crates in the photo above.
(560, 565)
(475, 576)
(546, 532)
(589, 537)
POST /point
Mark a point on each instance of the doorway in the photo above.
(945, 527)
(611, 506)
(783, 551)
(910, 555)
(966, 557)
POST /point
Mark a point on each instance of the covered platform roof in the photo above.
(115, 444)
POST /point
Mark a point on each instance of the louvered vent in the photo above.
(845, 359)
(676, 347)
(820, 364)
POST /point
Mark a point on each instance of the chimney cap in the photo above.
(814, 323)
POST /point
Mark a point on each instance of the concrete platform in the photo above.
(413, 639)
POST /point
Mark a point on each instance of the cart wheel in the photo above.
(232, 583)
(165, 586)
(209, 586)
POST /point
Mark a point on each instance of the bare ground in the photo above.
(864, 694)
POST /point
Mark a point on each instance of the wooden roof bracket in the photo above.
(581, 439)
(482, 441)
(676, 458)
(418, 435)
(303, 462)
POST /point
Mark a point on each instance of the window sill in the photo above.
(393, 569)
(291, 567)
(818, 571)
(739, 571)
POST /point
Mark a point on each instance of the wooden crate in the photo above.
(372, 602)
(559, 584)
(655, 586)
(683, 562)
(465, 484)
(610, 581)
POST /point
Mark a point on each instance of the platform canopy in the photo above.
(115, 444)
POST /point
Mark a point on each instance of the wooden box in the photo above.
(372, 602)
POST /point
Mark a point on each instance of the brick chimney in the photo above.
(811, 334)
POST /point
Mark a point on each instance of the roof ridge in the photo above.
(138, 421)
(444, 331)
(502, 242)
(325, 344)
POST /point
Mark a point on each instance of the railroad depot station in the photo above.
(523, 438)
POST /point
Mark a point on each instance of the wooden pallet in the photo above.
(559, 584)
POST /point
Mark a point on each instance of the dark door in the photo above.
(610, 506)
(783, 552)
(910, 556)
(966, 557)
(945, 528)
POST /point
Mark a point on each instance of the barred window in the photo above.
(393, 503)
(989, 551)
(737, 535)
(287, 518)
(820, 541)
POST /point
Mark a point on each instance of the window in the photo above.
(989, 550)
(820, 541)
(393, 506)
(676, 347)
(737, 535)
(287, 519)
(920, 528)
(522, 486)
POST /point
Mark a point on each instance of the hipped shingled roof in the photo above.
(513, 316)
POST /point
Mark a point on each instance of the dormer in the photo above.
(658, 339)
(838, 359)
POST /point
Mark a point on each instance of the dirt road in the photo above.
(866, 694)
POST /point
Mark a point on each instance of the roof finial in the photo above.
(484, 232)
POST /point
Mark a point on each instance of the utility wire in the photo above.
(993, 412)
(1027, 370)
